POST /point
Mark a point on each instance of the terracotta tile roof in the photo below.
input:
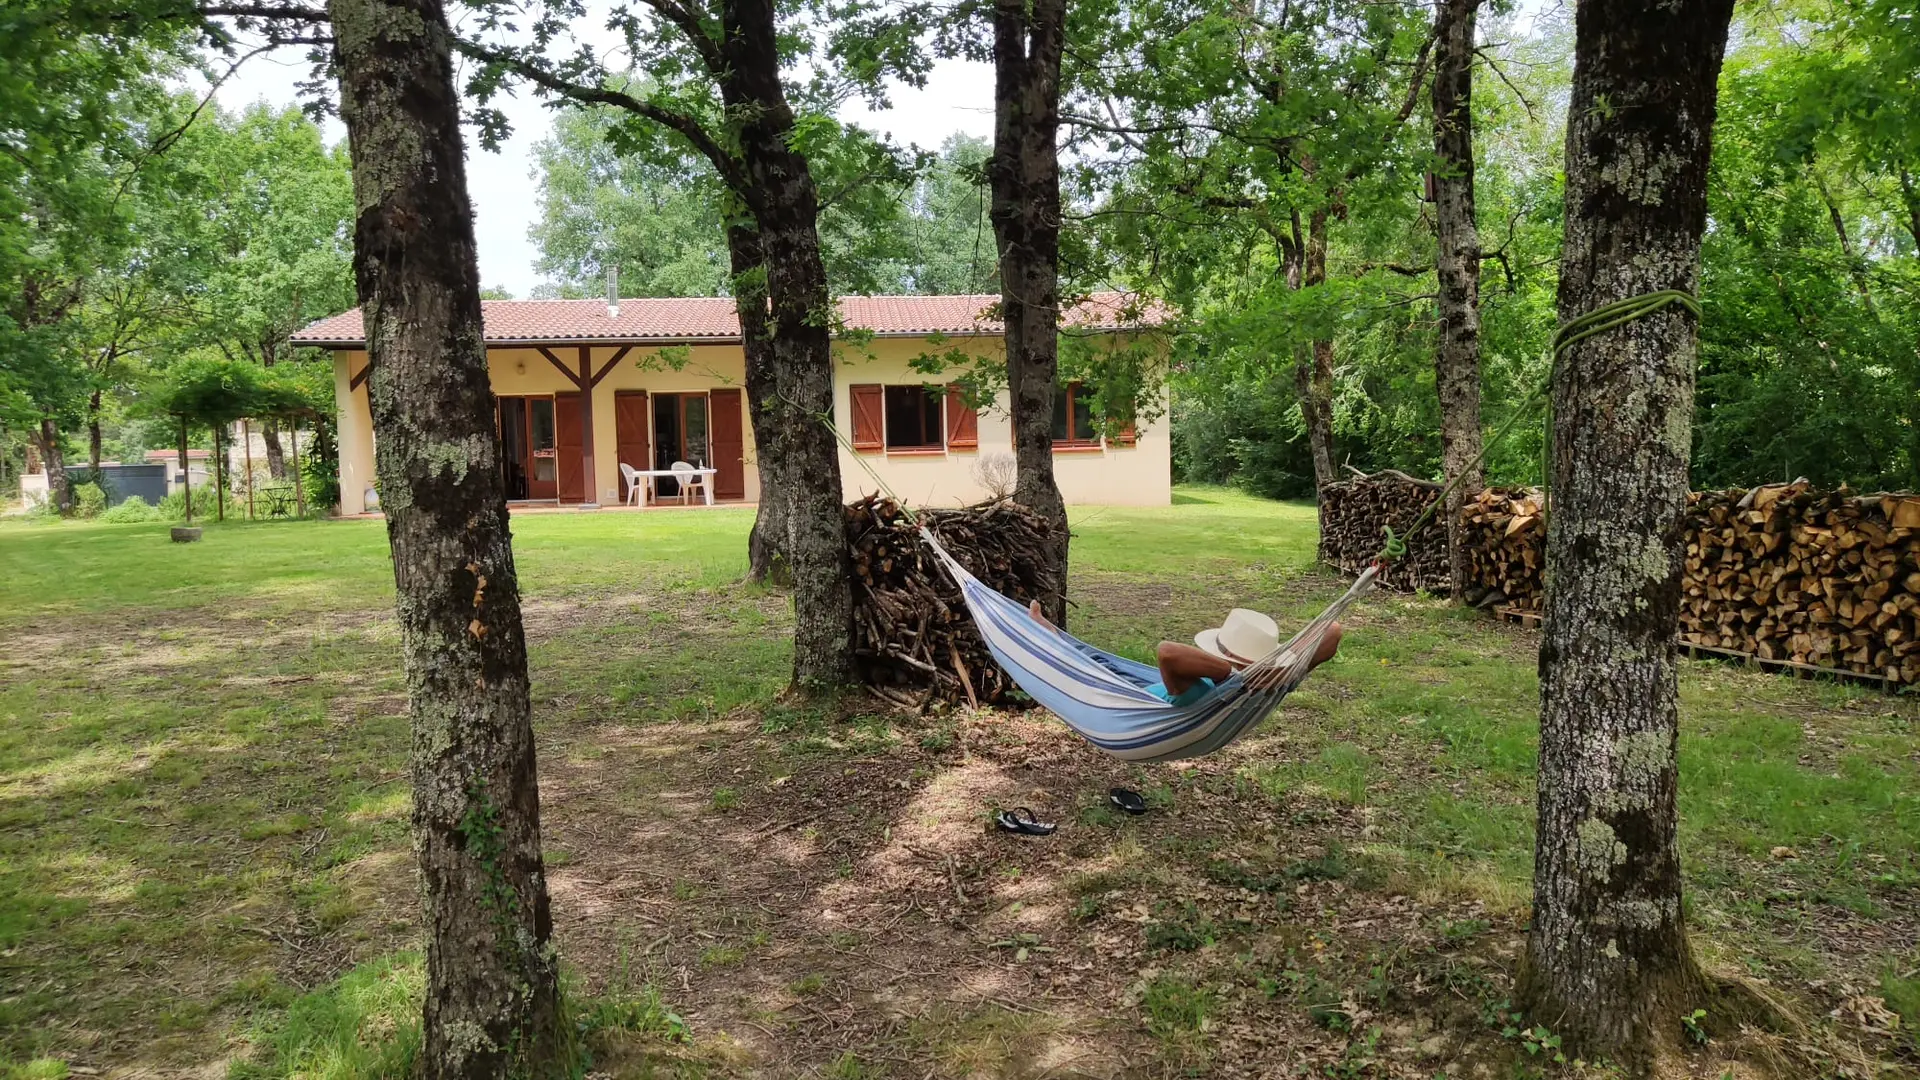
(712, 318)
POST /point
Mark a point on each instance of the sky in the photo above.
(958, 97)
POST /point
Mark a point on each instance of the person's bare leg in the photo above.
(1328, 646)
(1183, 665)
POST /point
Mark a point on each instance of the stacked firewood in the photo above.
(913, 639)
(1505, 537)
(1352, 513)
(1785, 573)
(1825, 578)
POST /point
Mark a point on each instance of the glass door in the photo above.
(544, 483)
(513, 446)
(679, 434)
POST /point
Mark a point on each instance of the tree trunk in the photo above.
(47, 441)
(276, 458)
(1910, 193)
(786, 206)
(767, 559)
(1313, 373)
(93, 435)
(1608, 965)
(1457, 359)
(492, 1001)
(219, 473)
(1024, 173)
(186, 478)
(1856, 267)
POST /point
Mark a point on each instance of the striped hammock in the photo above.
(1105, 698)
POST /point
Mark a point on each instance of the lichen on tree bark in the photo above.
(1024, 176)
(1608, 965)
(1457, 357)
(492, 1002)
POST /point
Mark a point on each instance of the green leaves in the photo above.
(216, 392)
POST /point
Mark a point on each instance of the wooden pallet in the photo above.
(1529, 619)
(1794, 668)
(1532, 620)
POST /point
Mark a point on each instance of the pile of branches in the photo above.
(1352, 513)
(1505, 538)
(913, 639)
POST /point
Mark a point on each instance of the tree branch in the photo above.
(1480, 52)
(1419, 74)
(281, 12)
(1398, 268)
(689, 23)
(686, 126)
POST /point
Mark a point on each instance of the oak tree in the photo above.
(1607, 962)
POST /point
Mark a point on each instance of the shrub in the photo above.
(135, 509)
(320, 466)
(88, 500)
(174, 506)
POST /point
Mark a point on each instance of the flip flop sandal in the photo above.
(1128, 801)
(1020, 820)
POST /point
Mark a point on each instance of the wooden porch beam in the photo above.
(359, 380)
(561, 367)
(587, 381)
(608, 367)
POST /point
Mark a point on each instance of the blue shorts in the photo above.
(1189, 696)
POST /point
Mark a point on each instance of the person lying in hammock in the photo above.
(1188, 673)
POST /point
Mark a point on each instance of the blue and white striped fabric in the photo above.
(1105, 698)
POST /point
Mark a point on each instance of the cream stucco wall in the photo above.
(1108, 475)
(1138, 475)
(356, 432)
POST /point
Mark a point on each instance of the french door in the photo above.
(529, 455)
(679, 434)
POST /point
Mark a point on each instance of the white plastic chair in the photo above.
(689, 479)
(636, 484)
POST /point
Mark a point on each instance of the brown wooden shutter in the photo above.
(869, 416)
(963, 423)
(569, 447)
(630, 416)
(729, 444)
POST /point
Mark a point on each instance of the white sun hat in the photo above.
(1246, 636)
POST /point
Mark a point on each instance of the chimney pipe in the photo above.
(613, 291)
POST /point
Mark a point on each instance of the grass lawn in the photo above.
(204, 864)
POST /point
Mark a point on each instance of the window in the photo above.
(911, 419)
(914, 418)
(1073, 416)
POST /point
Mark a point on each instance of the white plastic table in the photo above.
(654, 474)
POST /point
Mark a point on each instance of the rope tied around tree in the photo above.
(1598, 321)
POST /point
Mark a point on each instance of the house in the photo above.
(156, 476)
(583, 387)
(197, 464)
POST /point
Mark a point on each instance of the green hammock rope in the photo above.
(1598, 321)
